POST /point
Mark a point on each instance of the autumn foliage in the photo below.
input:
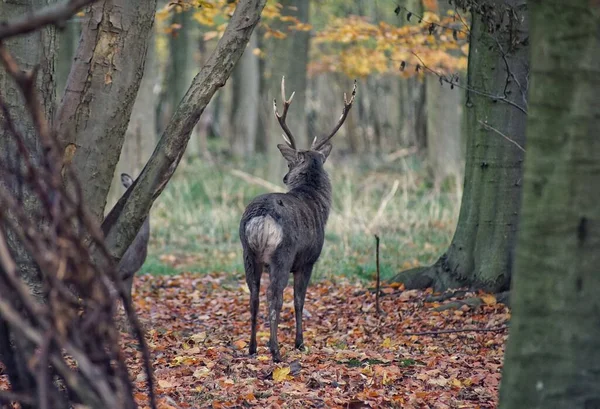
(353, 45)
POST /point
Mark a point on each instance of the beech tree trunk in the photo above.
(480, 255)
(31, 50)
(553, 352)
(101, 89)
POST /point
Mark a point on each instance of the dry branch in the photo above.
(78, 317)
(455, 331)
(55, 14)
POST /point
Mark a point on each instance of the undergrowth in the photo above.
(195, 222)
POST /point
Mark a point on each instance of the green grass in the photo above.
(195, 221)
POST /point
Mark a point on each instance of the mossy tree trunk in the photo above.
(480, 254)
(553, 352)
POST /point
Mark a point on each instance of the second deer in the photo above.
(284, 232)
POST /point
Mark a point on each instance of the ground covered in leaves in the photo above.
(199, 325)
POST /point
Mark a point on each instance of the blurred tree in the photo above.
(553, 352)
(34, 49)
(245, 102)
(445, 142)
(481, 252)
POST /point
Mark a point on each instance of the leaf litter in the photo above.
(198, 327)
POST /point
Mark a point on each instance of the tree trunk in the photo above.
(140, 138)
(125, 219)
(289, 58)
(413, 131)
(35, 49)
(445, 144)
(480, 255)
(101, 90)
(244, 115)
(553, 352)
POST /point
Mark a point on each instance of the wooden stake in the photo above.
(378, 275)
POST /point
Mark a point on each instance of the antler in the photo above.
(318, 143)
(288, 137)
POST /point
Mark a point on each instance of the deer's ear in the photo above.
(325, 150)
(126, 180)
(290, 154)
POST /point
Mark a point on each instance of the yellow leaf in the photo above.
(456, 383)
(387, 343)
(281, 374)
(488, 299)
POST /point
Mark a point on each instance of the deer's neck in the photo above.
(316, 191)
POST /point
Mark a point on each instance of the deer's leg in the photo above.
(301, 279)
(279, 274)
(253, 272)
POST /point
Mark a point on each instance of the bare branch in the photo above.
(455, 331)
(491, 128)
(454, 82)
(52, 15)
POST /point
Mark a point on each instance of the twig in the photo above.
(491, 128)
(422, 20)
(454, 331)
(56, 14)
(256, 180)
(377, 282)
(454, 83)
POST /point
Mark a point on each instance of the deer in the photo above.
(136, 253)
(284, 232)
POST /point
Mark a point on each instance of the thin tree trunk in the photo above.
(480, 255)
(553, 352)
(289, 59)
(101, 90)
(245, 104)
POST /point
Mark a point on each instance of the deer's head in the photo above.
(302, 162)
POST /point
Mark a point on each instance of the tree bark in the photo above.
(480, 255)
(101, 90)
(553, 352)
(125, 219)
(31, 50)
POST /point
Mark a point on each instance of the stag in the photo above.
(284, 232)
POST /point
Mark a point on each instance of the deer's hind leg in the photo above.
(279, 272)
(254, 270)
(301, 280)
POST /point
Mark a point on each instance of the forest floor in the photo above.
(198, 327)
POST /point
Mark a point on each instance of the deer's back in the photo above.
(284, 223)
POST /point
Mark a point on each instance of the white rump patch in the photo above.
(264, 235)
